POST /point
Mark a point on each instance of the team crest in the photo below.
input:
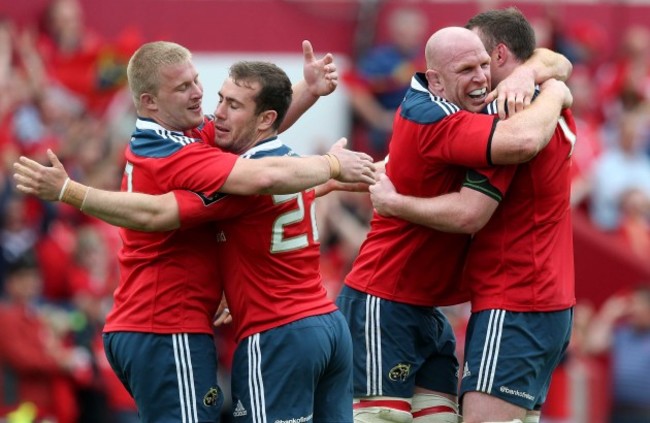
(211, 397)
(400, 372)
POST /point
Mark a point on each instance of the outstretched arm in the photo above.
(160, 212)
(466, 211)
(126, 209)
(285, 175)
(320, 79)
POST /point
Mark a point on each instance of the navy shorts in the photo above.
(512, 355)
(297, 372)
(172, 377)
(398, 346)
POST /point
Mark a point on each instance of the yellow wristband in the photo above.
(335, 165)
(74, 194)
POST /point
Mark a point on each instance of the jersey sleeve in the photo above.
(492, 181)
(197, 167)
(463, 139)
(197, 208)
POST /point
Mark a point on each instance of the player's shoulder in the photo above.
(152, 140)
(271, 147)
(422, 107)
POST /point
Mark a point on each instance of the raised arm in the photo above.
(466, 211)
(320, 79)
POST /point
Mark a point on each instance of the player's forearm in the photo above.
(129, 210)
(277, 175)
(301, 101)
(546, 64)
(520, 137)
(294, 175)
(445, 213)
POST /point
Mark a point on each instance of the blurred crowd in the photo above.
(64, 88)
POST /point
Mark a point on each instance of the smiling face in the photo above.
(238, 126)
(459, 68)
(177, 104)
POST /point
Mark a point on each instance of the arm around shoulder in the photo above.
(520, 137)
(547, 64)
(286, 175)
(466, 211)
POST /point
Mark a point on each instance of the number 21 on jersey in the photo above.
(279, 241)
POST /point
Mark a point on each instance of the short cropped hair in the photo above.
(275, 86)
(505, 26)
(143, 71)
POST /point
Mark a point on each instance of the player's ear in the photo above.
(433, 78)
(148, 101)
(266, 119)
(501, 54)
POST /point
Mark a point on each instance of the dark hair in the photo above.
(505, 26)
(275, 92)
(26, 261)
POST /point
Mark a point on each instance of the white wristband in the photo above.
(65, 185)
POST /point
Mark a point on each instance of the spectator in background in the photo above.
(381, 76)
(625, 81)
(92, 277)
(588, 149)
(16, 236)
(621, 167)
(78, 60)
(622, 328)
(343, 223)
(634, 228)
(36, 365)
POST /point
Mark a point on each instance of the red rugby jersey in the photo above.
(432, 144)
(168, 280)
(522, 260)
(267, 251)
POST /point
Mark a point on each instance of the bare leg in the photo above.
(479, 407)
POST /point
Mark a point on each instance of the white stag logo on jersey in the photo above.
(400, 372)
